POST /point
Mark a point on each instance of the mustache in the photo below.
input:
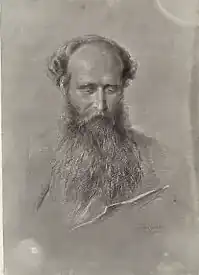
(72, 114)
(90, 113)
(74, 122)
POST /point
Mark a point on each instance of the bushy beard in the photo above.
(96, 158)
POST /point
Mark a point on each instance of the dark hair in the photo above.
(57, 64)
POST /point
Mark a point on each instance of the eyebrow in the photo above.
(94, 85)
(112, 85)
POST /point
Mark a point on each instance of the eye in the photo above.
(87, 90)
(111, 89)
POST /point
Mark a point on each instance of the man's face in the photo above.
(95, 84)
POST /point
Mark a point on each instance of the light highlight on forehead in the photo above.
(95, 61)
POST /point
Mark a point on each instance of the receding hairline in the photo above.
(101, 46)
(93, 40)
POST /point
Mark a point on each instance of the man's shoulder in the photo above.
(144, 140)
(157, 156)
(150, 148)
(139, 136)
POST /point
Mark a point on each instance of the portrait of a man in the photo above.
(102, 159)
(98, 162)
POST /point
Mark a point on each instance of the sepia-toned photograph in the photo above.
(100, 137)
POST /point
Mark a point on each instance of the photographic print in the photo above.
(100, 137)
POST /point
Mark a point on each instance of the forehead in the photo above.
(97, 63)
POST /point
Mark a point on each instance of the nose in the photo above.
(100, 100)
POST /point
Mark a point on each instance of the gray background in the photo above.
(158, 99)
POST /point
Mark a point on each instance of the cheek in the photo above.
(112, 101)
(79, 101)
